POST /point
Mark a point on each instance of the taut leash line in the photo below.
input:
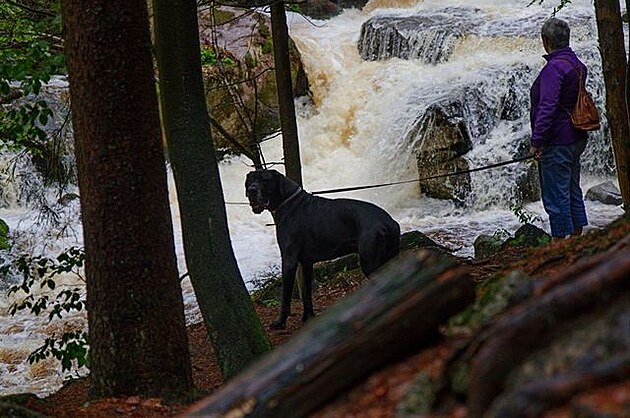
(437, 176)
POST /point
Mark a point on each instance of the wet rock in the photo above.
(443, 139)
(528, 185)
(325, 9)
(13, 406)
(67, 198)
(512, 104)
(415, 239)
(240, 83)
(487, 245)
(528, 235)
(463, 120)
(606, 193)
(429, 36)
(54, 158)
(411, 240)
(320, 9)
(4, 236)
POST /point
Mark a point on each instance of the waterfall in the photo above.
(373, 87)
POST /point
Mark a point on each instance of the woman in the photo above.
(555, 142)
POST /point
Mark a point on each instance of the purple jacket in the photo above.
(553, 95)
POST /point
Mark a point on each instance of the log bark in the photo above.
(581, 266)
(523, 329)
(534, 398)
(397, 312)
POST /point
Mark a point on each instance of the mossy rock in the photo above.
(493, 297)
(4, 236)
(487, 245)
(528, 235)
(13, 406)
(242, 97)
(418, 397)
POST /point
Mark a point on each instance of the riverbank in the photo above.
(377, 395)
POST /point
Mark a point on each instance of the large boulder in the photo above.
(239, 76)
(427, 37)
(442, 140)
(458, 121)
(606, 193)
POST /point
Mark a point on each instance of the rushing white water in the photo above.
(355, 133)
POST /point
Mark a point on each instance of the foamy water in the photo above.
(353, 134)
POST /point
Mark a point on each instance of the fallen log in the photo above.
(526, 327)
(580, 267)
(394, 314)
(534, 398)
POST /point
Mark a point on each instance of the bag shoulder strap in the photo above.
(578, 71)
(581, 82)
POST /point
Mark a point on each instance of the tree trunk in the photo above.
(611, 45)
(234, 328)
(290, 141)
(393, 315)
(138, 343)
(628, 70)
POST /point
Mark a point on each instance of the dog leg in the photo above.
(307, 295)
(288, 280)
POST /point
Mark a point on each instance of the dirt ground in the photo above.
(377, 395)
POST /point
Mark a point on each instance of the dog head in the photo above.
(267, 189)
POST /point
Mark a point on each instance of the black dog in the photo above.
(311, 229)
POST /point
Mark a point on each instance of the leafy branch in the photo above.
(43, 270)
(556, 9)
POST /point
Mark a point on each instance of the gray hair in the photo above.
(556, 32)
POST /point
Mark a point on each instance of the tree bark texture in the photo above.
(612, 49)
(628, 68)
(288, 124)
(398, 311)
(525, 327)
(138, 342)
(235, 330)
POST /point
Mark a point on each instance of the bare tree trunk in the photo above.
(138, 343)
(611, 45)
(234, 328)
(290, 141)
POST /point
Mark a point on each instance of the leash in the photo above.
(437, 176)
(455, 173)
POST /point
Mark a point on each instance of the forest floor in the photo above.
(378, 394)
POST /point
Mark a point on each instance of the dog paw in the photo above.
(278, 324)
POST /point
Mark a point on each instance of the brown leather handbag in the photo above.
(584, 115)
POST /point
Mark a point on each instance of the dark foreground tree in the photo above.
(611, 46)
(627, 19)
(138, 343)
(233, 326)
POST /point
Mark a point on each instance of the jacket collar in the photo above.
(557, 52)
